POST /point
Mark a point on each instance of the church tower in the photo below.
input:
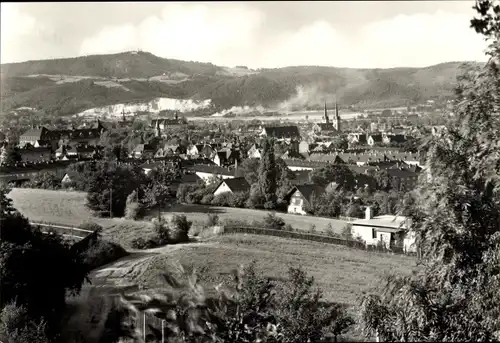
(327, 120)
(336, 121)
(158, 130)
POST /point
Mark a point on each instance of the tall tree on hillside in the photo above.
(456, 217)
(109, 185)
(267, 174)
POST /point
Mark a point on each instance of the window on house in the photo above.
(374, 233)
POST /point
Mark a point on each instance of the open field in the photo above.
(343, 274)
(68, 208)
(199, 213)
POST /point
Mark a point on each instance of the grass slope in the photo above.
(68, 208)
(343, 274)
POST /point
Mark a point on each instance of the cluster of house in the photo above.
(40, 144)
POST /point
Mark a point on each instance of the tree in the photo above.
(383, 180)
(456, 218)
(37, 270)
(157, 192)
(338, 173)
(284, 179)
(340, 143)
(9, 155)
(267, 174)
(249, 169)
(107, 190)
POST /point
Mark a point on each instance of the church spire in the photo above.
(336, 120)
(327, 120)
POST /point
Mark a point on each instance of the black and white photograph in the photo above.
(250, 172)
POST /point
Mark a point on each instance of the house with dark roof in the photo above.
(168, 123)
(226, 156)
(374, 139)
(357, 138)
(235, 185)
(302, 196)
(281, 132)
(35, 137)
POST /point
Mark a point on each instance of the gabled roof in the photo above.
(238, 184)
(377, 138)
(35, 132)
(307, 190)
(392, 223)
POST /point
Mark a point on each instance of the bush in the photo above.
(207, 199)
(161, 230)
(180, 229)
(255, 198)
(142, 243)
(329, 230)
(288, 227)
(212, 220)
(102, 252)
(312, 228)
(16, 327)
(223, 199)
(273, 222)
(133, 209)
(238, 199)
(347, 231)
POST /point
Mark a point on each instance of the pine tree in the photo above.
(455, 294)
(268, 174)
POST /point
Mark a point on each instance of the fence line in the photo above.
(312, 237)
(293, 234)
(66, 230)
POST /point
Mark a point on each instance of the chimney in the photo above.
(368, 213)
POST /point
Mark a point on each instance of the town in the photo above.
(372, 168)
(148, 197)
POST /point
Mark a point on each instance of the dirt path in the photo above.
(96, 298)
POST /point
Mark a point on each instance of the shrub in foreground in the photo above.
(16, 327)
(252, 309)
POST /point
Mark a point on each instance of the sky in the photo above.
(356, 34)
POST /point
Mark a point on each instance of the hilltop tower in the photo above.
(327, 120)
(336, 121)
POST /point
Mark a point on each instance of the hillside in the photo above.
(69, 86)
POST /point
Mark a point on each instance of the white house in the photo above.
(301, 196)
(388, 229)
(254, 152)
